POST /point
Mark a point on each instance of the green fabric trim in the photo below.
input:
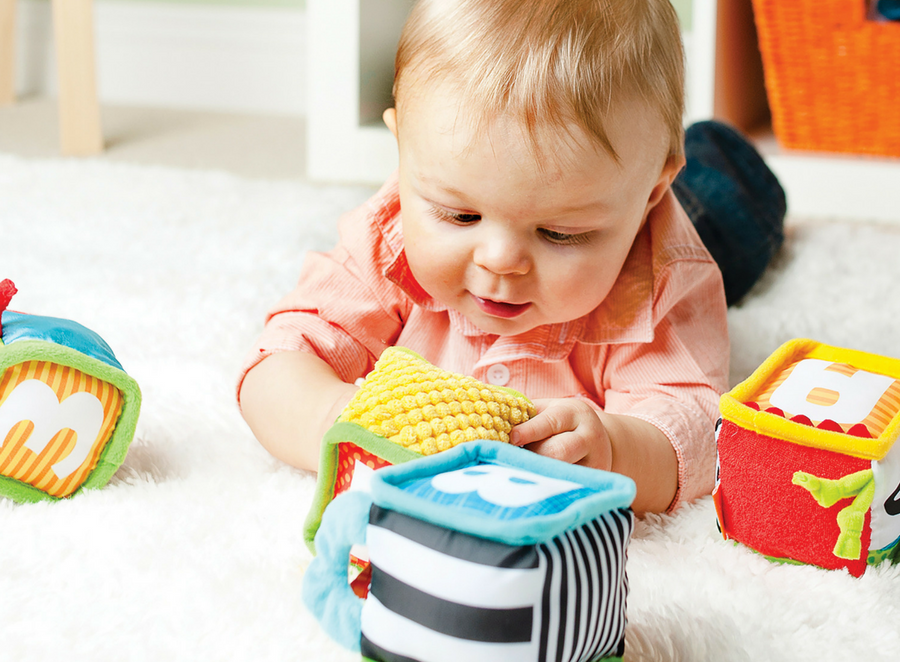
(116, 448)
(773, 559)
(328, 456)
(894, 550)
(877, 556)
(407, 350)
(889, 554)
(778, 559)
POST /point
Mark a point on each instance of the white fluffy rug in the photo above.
(194, 550)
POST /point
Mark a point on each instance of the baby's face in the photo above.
(512, 243)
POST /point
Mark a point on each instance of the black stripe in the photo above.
(461, 621)
(589, 549)
(586, 586)
(605, 540)
(596, 545)
(623, 525)
(579, 590)
(454, 543)
(608, 547)
(563, 597)
(374, 652)
(557, 606)
(627, 513)
(545, 604)
(618, 518)
(606, 529)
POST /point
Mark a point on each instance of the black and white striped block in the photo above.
(483, 553)
(442, 595)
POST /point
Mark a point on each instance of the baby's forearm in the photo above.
(642, 452)
(289, 400)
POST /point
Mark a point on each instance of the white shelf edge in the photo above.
(834, 186)
(829, 186)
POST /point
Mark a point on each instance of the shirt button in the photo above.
(498, 375)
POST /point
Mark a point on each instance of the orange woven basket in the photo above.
(832, 75)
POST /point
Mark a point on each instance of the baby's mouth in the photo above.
(501, 308)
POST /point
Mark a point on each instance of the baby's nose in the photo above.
(504, 256)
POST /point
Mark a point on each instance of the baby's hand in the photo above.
(566, 429)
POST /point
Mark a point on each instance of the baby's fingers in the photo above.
(547, 423)
(566, 447)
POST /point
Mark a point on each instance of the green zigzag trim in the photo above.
(116, 448)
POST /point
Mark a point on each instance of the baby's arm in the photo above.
(289, 400)
(324, 335)
(571, 430)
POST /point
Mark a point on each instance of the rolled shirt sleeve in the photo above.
(342, 309)
(674, 381)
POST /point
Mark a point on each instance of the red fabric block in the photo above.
(760, 507)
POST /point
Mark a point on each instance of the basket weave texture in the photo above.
(832, 75)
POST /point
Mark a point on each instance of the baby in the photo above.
(530, 239)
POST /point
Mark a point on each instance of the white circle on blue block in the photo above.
(503, 486)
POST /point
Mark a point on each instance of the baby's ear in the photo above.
(390, 119)
(672, 166)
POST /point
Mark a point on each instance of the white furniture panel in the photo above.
(349, 77)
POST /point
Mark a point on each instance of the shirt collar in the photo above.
(625, 316)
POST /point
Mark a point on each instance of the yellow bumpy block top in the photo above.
(426, 409)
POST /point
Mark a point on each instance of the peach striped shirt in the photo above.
(656, 348)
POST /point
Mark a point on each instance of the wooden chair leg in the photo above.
(7, 52)
(79, 108)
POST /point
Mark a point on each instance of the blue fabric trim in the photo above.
(20, 326)
(326, 591)
(407, 489)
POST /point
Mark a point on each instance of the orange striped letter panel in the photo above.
(54, 423)
(882, 406)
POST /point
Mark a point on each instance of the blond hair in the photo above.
(549, 62)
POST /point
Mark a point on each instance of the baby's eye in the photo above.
(565, 239)
(466, 218)
(455, 217)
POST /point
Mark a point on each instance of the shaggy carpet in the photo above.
(194, 550)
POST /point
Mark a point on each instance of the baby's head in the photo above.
(558, 63)
(534, 138)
